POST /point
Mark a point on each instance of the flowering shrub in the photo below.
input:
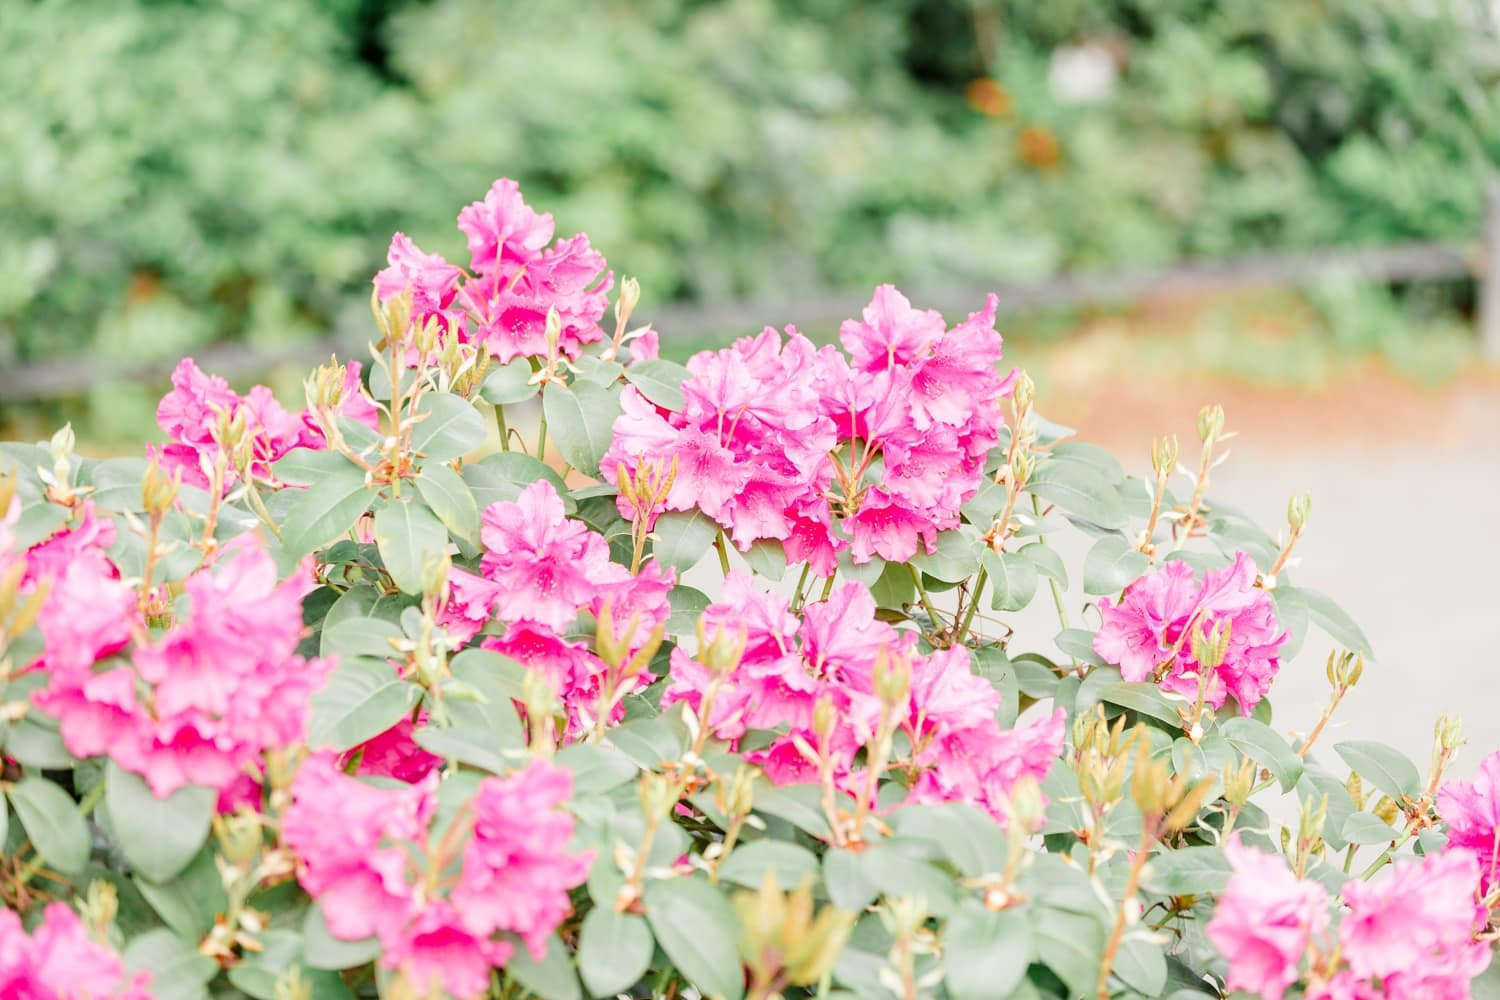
(525, 662)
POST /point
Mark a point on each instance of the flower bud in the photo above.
(658, 795)
(434, 574)
(738, 796)
(1297, 510)
(426, 339)
(1164, 455)
(1314, 817)
(724, 652)
(630, 296)
(158, 490)
(1387, 809)
(1210, 648)
(1345, 669)
(1210, 423)
(1239, 781)
(553, 331)
(892, 678)
(1356, 788)
(100, 906)
(1448, 733)
(239, 835)
(291, 986)
(1024, 394)
(1025, 809)
(1020, 467)
(823, 719)
(61, 447)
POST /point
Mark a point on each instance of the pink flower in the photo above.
(1472, 811)
(394, 753)
(432, 280)
(60, 961)
(441, 906)
(88, 613)
(516, 875)
(1265, 920)
(545, 565)
(192, 414)
(778, 439)
(202, 702)
(1152, 628)
(570, 669)
(503, 229)
(1415, 930)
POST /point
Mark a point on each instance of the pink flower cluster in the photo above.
(874, 451)
(199, 704)
(446, 903)
(1412, 934)
(540, 571)
(192, 411)
(1151, 630)
(1471, 809)
(516, 278)
(59, 961)
(958, 752)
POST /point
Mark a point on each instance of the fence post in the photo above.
(1489, 275)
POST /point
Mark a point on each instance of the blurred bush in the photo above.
(182, 172)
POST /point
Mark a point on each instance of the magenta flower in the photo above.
(444, 908)
(545, 565)
(1265, 920)
(778, 439)
(1415, 931)
(202, 702)
(1471, 809)
(432, 281)
(502, 229)
(60, 961)
(1150, 631)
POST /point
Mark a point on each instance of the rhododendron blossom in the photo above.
(957, 750)
(199, 704)
(540, 571)
(1149, 633)
(1266, 921)
(444, 906)
(517, 279)
(60, 961)
(873, 452)
(1471, 809)
(201, 408)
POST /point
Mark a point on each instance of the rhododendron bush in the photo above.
(520, 661)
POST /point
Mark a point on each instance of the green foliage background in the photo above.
(181, 172)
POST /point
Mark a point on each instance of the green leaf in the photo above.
(509, 383)
(451, 429)
(1079, 644)
(489, 671)
(1047, 561)
(1265, 746)
(681, 538)
(1111, 565)
(697, 928)
(849, 885)
(1146, 699)
(965, 835)
(660, 382)
(189, 902)
(407, 535)
(1384, 767)
(306, 466)
(363, 698)
(503, 475)
(52, 820)
(1188, 871)
(470, 745)
(1336, 622)
(799, 805)
(1367, 828)
(1141, 965)
(448, 495)
(178, 971)
(324, 511)
(1071, 944)
(596, 768)
(580, 421)
(985, 953)
(552, 977)
(687, 608)
(360, 636)
(160, 837)
(1013, 580)
(748, 863)
(954, 558)
(282, 950)
(766, 558)
(1080, 490)
(614, 951)
(321, 950)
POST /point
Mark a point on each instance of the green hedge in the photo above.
(177, 173)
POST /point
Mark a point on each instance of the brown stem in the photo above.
(1132, 885)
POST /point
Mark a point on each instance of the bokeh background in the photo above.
(182, 177)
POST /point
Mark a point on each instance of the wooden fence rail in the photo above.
(1406, 262)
